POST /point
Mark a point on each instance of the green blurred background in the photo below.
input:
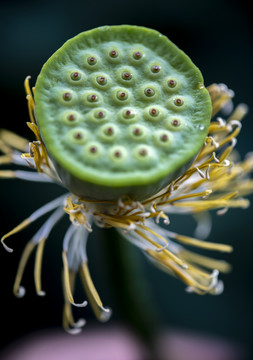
(217, 35)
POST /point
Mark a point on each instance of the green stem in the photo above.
(131, 291)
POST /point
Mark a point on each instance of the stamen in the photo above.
(201, 174)
(37, 267)
(13, 140)
(222, 211)
(102, 313)
(205, 261)
(201, 244)
(18, 228)
(207, 172)
(30, 176)
(7, 174)
(215, 158)
(37, 214)
(240, 111)
(18, 290)
(67, 282)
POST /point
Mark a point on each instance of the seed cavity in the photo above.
(128, 115)
(117, 154)
(137, 55)
(67, 96)
(122, 95)
(154, 112)
(155, 69)
(75, 76)
(109, 131)
(137, 132)
(71, 117)
(101, 80)
(143, 152)
(172, 83)
(113, 54)
(92, 98)
(149, 92)
(78, 136)
(91, 60)
(99, 115)
(126, 75)
(164, 137)
(178, 102)
(175, 122)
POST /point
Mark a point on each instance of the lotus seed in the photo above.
(92, 60)
(153, 112)
(122, 95)
(129, 114)
(143, 152)
(67, 96)
(99, 114)
(75, 76)
(71, 117)
(92, 98)
(109, 131)
(175, 122)
(164, 137)
(155, 68)
(178, 102)
(117, 154)
(172, 83)
(78, 135)
(149, 92)
(126, 76)
(137, 132)
(101, 80)
(93, 150)
(137, 55)
(113, 54)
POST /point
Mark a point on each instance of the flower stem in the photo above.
(132, 294)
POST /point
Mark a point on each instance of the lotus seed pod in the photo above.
(121, 111)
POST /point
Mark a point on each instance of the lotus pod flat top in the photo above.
(121, 106)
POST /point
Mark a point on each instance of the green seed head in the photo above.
(121, 111)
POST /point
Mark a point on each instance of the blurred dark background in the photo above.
(217, 35)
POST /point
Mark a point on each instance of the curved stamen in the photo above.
(37, 214)
(67, 282)
(103, 314)
(18, 290)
